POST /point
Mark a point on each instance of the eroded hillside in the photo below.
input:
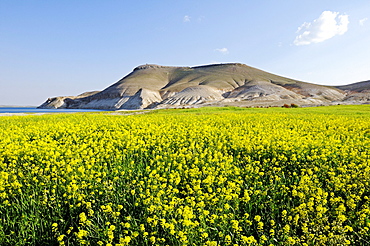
(154, 86)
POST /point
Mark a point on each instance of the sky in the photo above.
(64, 48)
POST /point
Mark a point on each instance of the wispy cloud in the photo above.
(328, 25)
(224, 51)
(362, 21)
(186, 18)
(201, 18)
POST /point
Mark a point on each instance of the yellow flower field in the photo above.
(187, 177)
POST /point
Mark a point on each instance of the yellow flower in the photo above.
(228, 239)
(211, 243)
(257, 218)
(291, 241)
(286, 229)
(260, 225)
(54, 227)
(81, 233)
(60, 238)
(83, 218)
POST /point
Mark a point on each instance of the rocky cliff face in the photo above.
(154, 86)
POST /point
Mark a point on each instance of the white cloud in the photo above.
(328, 25)
(362, 21)
(224, 51)
(186, 18)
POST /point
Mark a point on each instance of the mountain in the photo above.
(154, 86)
(356, 92)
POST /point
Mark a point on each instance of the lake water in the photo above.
(39, 110)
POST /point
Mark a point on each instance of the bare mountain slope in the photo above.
(63, 101)
(356, 87)
(356, 92)
(154, 86)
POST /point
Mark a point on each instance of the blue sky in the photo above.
(53, 48)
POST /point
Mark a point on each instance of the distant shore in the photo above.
(20, 114)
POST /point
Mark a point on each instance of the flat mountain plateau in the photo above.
(233, 84)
